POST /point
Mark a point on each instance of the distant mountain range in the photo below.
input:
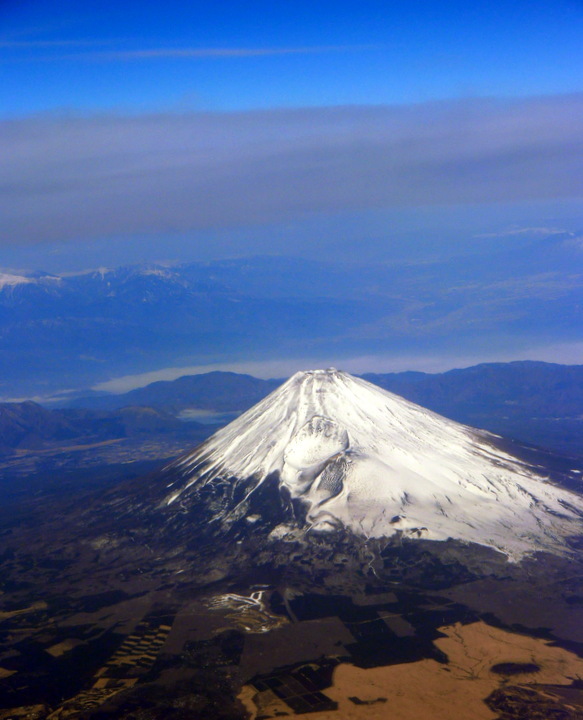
(73, 331)
(535, 402)
(29, 426)
(215, 391)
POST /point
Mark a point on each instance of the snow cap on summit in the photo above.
(370, 460)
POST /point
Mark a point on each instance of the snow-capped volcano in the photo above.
(364, 458)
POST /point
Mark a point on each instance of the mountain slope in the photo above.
(28, 425)
(534, 402)
(347, 453)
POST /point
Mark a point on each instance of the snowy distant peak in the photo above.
(7, 280)
(135, 271)
(126, 272)
(362, 457)
(157, 271)
(101, 273)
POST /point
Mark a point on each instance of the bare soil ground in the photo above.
(429, 690)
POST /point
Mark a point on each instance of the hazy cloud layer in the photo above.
(81, 178)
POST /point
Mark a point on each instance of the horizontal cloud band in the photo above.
(86, 177)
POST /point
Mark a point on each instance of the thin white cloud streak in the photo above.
(108, 176)
(542, 231)
(204, 53)
(32, 44)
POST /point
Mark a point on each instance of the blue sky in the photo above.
(138, 56)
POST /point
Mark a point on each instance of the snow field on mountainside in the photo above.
(360, 456)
